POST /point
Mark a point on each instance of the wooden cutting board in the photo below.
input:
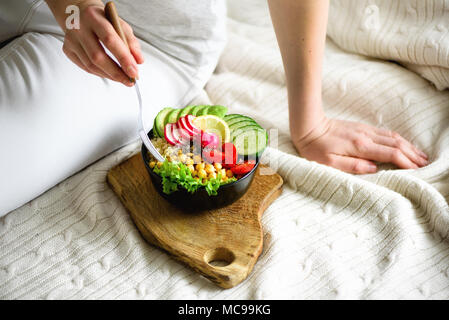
(223, 245)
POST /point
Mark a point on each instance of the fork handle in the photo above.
(110, 11)
(112, 16)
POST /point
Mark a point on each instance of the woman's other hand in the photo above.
(82, 46)
(351, 147)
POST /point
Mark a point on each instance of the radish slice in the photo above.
(190, 125)
(168, 133)
(209, 139)
(176, 134)
(185, 136)
(183, 124)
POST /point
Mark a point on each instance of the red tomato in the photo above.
(243, 168)
(229, 155)
(213, 155)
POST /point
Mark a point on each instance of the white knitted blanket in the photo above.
(329, 235)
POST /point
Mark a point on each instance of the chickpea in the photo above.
(159, 164)
(217, 166)
(202, 173)
(190, 161)
(179, 152)
(229, 173)
(209, 168)
(152, 164)
(223, 173)
(191, 167)
(197, 159)
(199, 166)
(212, 175)
(190, 154)
(183, 158)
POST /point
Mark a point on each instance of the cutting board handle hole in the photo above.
(219, 257)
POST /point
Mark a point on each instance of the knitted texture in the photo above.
(412, 32)
(329, 235)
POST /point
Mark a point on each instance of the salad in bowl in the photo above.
(210, 156)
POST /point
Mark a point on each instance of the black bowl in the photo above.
(200, 200)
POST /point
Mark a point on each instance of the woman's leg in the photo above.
(56, 119)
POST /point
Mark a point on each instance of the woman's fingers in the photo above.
(109, 37)
(398, 137)
(368, 149)
(403, 145)
(133, 43)
(351, 165)
(99, 58)
(80, 58)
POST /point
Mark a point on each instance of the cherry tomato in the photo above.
(243, 168)
(229, 155)
(212, 155)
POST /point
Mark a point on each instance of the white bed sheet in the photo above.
(329, 235)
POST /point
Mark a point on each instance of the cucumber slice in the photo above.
(250, 140)
(231, 116)
(173, 116)
(239, 119)
(240, 124)
(240, 130)
(196, 110)
(185, 111)
(203, 111)
(159, 121)
(219, 111)
(234, 121)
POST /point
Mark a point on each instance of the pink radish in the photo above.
(168, 133)
(182, 124)
(189, 123)
(184, 134)
(209, 139)
(176, 134)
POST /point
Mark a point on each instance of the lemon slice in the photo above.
(213, 124)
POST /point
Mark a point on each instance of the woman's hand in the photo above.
(300, 28)
(83, 46)
(350, 146)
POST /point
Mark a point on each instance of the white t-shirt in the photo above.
(189, 30)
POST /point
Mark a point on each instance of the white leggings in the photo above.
(56, 119)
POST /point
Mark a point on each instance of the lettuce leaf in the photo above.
(177, 174)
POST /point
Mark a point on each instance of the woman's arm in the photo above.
(300, 28)
(83, 47)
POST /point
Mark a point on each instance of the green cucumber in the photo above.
(241, 123)
(237, 125)
(185, 111)
(173, 116)
(219, 111)
(250, 140)
(231, 116)
(237, 131)
(238, 119)
(159, 121)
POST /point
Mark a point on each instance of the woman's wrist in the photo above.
(306, 117)
(58, 8)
